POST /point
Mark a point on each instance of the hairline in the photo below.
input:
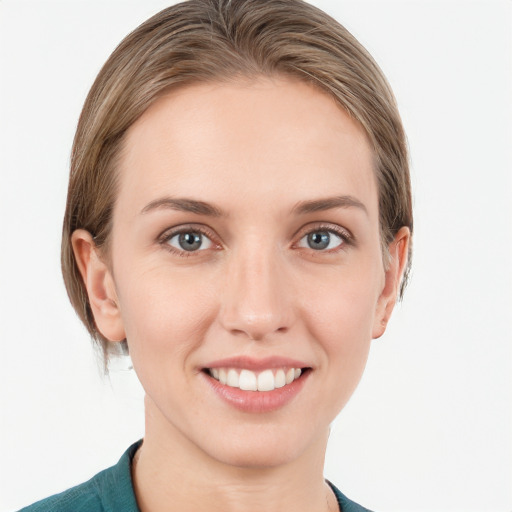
(238, 77)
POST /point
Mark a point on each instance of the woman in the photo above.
(238, 219)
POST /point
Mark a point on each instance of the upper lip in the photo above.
(254, 364)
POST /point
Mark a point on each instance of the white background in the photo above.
(430, 427)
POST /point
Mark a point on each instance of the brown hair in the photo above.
(216, 40)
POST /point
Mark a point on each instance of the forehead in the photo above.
(252, 141)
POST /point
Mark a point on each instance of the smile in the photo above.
(248, 380)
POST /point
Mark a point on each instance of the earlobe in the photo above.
(398, 254)
(100, 286)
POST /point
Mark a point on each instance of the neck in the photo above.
(172, 473)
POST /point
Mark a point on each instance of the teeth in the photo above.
(247, 380)
(280, 379)
(233, 379)
(266, 381)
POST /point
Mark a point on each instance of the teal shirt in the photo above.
(111, 490)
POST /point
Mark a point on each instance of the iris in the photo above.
(319, 240)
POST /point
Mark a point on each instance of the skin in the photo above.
(257, 152)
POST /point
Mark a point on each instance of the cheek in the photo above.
(351, 291)
(341, 324)
(166, 311)
(340, 314)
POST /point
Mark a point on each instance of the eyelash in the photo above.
(165, 237)
(345, 235)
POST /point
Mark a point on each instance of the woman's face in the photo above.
(245, 245)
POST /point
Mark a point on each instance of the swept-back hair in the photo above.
(222, 40)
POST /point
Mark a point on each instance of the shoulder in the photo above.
(83, 497)
(108, 491)
(344, 503)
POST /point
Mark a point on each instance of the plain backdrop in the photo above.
(430, 426)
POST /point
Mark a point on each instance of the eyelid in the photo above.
(343, 233)
(169, 233)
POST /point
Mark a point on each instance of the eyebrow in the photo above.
(182, 205)
(328, 203)
(203, 208)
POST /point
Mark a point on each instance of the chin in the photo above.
(267, 447)
(256, 458)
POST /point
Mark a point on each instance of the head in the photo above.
(262, 142)
(220, 41)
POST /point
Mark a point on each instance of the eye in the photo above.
(321, 240)
(189, 241)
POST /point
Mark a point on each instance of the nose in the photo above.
(257, 300)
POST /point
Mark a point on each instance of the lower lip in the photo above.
(257, 401)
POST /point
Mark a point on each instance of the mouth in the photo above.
(257, 385)
(265, 380)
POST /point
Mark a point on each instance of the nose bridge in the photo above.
(256, 301)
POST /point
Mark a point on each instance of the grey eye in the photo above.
(321, 240)
(190, 241)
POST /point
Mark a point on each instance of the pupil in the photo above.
(190, 241)
(319, 240)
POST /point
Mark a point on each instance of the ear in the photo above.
(100, 286)
(398, 251)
